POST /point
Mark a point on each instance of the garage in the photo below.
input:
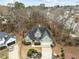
(11, 43)
(46, 44)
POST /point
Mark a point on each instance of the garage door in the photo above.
(11, 43)
(45, 44)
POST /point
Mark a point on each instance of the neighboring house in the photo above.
(70, 23)
(40, 35)
(6, 39)
(4, 21)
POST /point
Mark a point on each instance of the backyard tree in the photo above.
(19, 5)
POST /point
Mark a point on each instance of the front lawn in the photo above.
(4, 54)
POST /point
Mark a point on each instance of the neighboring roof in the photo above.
(10, 38)
(43, 30)
(6, 36)
(2, 34)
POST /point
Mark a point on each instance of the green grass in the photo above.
(4, 54)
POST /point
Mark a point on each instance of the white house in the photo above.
(6, 39)
(40, 35)
(11, 40)
(2, 40)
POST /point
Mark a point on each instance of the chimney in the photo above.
(39, 25)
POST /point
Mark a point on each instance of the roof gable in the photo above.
(38, 33)
(46, 37)
(3, 34)
(27, 39)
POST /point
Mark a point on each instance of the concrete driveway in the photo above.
(46, 50)
(46, 53)
(14, 52)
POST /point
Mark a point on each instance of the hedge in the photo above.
(37, 43)
(26, 43)
(3, 47)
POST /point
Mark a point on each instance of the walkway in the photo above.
(14, 54)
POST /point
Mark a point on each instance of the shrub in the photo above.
(39, 54)
(70, 43)
(73, 58)
(62, 58)
(26, 43)
(37, 43)
(62, 54)
(3, 47)
(62, 50)
(31, 52)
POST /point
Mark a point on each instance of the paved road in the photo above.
(14, 52)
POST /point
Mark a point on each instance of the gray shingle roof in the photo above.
(4, 34)
(43, 30)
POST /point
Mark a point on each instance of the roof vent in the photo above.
(39, 25)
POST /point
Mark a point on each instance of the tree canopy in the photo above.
(19, 5)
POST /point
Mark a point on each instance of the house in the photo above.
(7, 39)
(42, 35)
(39, 34)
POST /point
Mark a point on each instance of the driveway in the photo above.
(46, 53)
(14, 52)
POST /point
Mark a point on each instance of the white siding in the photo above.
(2, 41)
(46, 39)
(10, 40)
(27, 39)
(38, 33)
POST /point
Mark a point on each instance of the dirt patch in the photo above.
(71, 52)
